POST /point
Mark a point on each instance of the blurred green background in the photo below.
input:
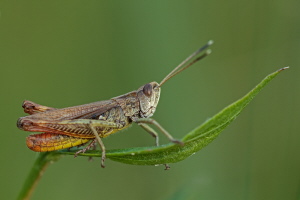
(66, 53)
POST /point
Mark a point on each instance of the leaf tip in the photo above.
(284, 68)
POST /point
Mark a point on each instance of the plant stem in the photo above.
(40, 165)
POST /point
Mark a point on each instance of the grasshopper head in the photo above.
(148, 96)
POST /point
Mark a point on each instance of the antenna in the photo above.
(178, 69)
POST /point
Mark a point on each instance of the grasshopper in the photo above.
(74, 126)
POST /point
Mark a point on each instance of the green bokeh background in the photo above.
(66, 53)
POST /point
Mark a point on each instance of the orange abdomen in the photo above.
(50, 142)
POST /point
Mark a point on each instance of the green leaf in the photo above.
(193, 141)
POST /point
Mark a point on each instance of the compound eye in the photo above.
(148, 89)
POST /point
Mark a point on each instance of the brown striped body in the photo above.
(68, 127)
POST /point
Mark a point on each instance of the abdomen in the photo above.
(50, 142)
